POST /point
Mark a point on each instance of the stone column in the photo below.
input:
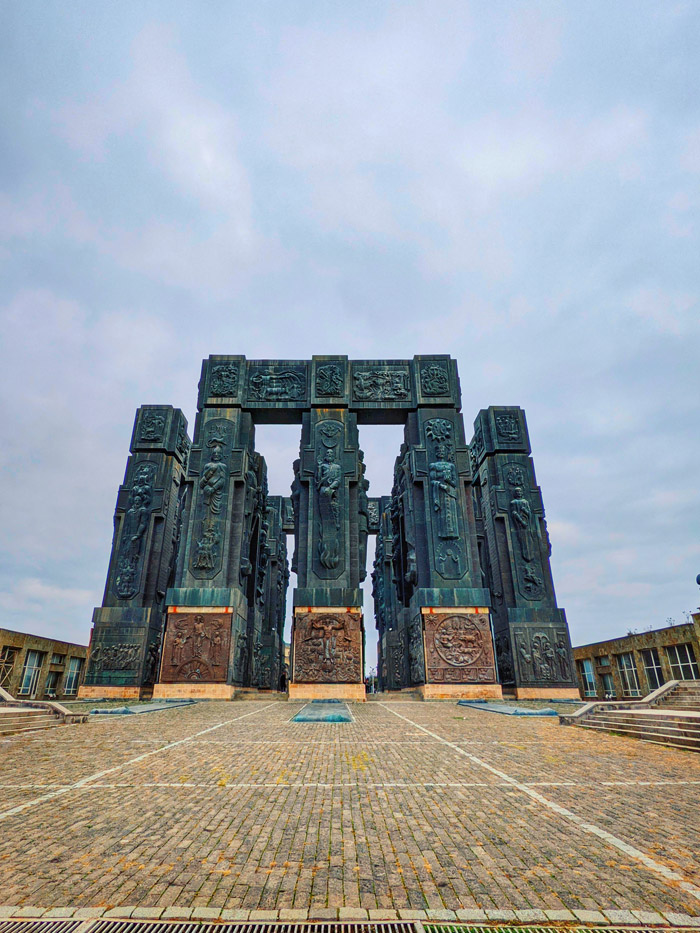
(392, 641)
(126, 638)
(328, 633)
(445, 607)
(273, 576)
(211, 608)
(532, 637)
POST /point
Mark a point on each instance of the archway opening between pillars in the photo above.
(464, 602)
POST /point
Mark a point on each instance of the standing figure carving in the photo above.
(444, 486)
(521, 514)
(212, 484)
(135, 526)
(328, 479)
(363, 517)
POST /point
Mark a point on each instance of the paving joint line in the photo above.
(667, 874)
(93, 777)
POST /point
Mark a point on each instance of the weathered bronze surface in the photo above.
(196, 648)
(459, 649)
(327, 648)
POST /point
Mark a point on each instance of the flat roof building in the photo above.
(634, 665)
(37, 668)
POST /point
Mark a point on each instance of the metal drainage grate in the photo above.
(40, 926)
(189, 926)
(192, 926)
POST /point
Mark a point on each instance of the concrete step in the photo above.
(29, 727)
(24, 717)
(658, 738)
(682, 725)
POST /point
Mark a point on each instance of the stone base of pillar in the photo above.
(544, 693)
(327, 653)
(256, 693)
(460, 692)
(354, 692)
(96, 692)
(195, 690)
(459, 656)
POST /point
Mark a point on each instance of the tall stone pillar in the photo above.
(273, 579)
(125, 642)
(328, 633)
(445, 607)
(211, 610)
(532, 637)
(392, 639)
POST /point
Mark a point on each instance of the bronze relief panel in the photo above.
(459, 648)
(196, 648)
(327, 648)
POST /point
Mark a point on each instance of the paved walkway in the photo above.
(426, 809)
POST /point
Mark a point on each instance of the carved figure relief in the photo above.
(195, 648)
(183, 442)
(213, 485)
(373, 514)
(240, 665)
(444, 498)
(508, 427)
(434, 380)
(459, 648)
(521, 515)
(543, 655)
(280, 385)
(152, 427)
(363, 514)
(515, 475)
(224, 380)
(329, 490)
(134, 528)
(329, 380)
(327, 648)
(416, 658)
(122, 656)
(381, 384)
(505, 659)
(477, 447)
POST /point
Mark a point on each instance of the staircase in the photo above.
(15, 719)
(668, 716)
(685, 696)
(32, 715)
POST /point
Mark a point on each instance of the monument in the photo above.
(196, 590)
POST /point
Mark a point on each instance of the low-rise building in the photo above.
(633, 666)
(37, 668)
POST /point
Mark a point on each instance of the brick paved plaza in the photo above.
(226, 808)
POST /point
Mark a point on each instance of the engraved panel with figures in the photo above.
(327, 648)
(459, 648)
(196, 648)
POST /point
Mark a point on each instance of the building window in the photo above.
(30, 673)
(628, 675)
(58, 658)
(608, 684)
(682, 661)
(52, 679)
(7, 662)
(73, 676)
(652, 668)
(603, 660)
(587, 678)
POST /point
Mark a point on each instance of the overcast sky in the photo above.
(514, 183)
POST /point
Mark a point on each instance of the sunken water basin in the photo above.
(324, 711)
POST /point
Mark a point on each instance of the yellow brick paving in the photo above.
(363, 818)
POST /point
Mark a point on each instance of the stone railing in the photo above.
(588, 709)
(6, 699)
